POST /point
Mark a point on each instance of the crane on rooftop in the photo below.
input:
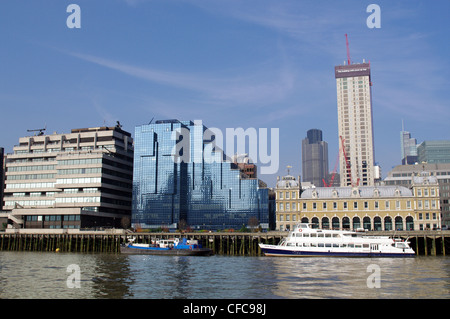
(348, 49)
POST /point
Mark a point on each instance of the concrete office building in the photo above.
(82, 179)
(314, 158)
(354, 100)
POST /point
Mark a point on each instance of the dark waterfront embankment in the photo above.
(425, 243)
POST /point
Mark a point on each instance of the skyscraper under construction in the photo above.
(354, 100)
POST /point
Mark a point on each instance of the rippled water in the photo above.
(45, 275)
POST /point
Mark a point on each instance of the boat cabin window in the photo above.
(313, 235)
(358, 246)
(351, 245)
(365, 245)
(335, 245)
(305, 235)
(328, 245)
(401, 245)
(321, 245)
(320, 235)
(327, 235)
(335, 235)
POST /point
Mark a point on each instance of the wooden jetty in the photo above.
(424, 243)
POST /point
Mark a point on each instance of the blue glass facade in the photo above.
(179, 175)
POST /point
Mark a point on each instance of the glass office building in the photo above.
(433, 152)
(181, 179)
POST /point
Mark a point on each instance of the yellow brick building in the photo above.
(368, 207)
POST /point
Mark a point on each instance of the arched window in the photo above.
(325, 223)
(305, 220)
(346, 223)
(398, 223)
(387, 223)
(315, 222)
(357, 222)
(367, 224)
(335, 224)
(409, 223)
(377, 223)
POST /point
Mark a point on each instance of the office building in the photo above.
(355, 125)
(408, 148)
(403, 175)
(82, 179)
(182, 180)
(434, 152)
(314, 158)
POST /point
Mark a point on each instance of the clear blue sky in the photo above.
(252, 63)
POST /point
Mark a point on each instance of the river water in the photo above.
(98, 276)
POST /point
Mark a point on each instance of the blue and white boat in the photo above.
(174, 246)
(305, 241)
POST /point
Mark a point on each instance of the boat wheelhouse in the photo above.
(304, 241)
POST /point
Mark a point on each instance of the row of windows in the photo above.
(38, 218)
(94, 170)
(334, 245)
(31, 185)
(32, 194)
(427, 216)
(93, 199)
(81, 190)
(29, 202)
(425, 192)
(30, 176)
(68, 149)
(287, 195)
(80, 161)
(334, 205)
(426, 204)
(31, 168)
(287, 217)
(81, 180)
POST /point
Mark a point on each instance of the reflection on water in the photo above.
(426, 277)
(44, 275)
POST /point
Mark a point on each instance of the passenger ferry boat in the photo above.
(305, 241)
(184, 247)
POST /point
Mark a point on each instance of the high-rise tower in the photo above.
(355, 126)
(314, 158)
(408, 147)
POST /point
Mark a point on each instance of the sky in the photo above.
(232, 64)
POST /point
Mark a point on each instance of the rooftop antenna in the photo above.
(288, 169)
(348, 50)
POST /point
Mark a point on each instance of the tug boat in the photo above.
(175, 247)
(305, 241)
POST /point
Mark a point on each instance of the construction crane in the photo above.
(347, 164)
(348, 49)
(40, 130)
(333, 174)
